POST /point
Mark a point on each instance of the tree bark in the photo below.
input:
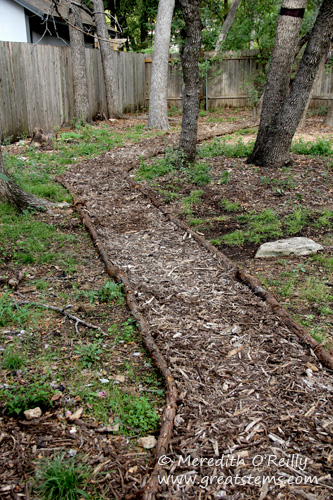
(275, 148)
(79, 65)
(227, 24)
(321, 68)
(191, 99)
(11, 193)
(329, 117)
(111, 86)
(278, 79)
(158, 102)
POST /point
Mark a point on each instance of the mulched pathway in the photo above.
(254, 411)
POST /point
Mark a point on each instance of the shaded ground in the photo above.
(228, 423)
(247, 388)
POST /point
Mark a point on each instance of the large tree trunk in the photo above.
(111, 87)
(158, 102)
(227, 23)
(329, 117)
(13, 194)
(277, 85)
(191, 99)
(79, 64)
(275, 149)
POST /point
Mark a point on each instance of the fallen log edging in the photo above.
(306, 339)
(169, 412)
(253, 283)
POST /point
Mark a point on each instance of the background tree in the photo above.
(79, 64)
(227, 23)
(191, 100)
(158, 102)
(276, 142)
(111, 85)
(329, 117)
(278, 79)
(13, 194)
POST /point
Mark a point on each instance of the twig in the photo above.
(62, 311)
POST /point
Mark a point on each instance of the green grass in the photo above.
(258, 227)
(219, 147)
(60, 478)
(230, 206)
(321, 147)
(31, 241)
(90, 354)
(11, 314)
(19, 398)
(193, 199)
(12, 359)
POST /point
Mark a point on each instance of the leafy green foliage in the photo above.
(90, 354)
(58, 478)
(322, 147)
(219, 147)
(20, 398)
(111, 291)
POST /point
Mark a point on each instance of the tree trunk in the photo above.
(79, 65)
(275, 150)
(11, 193)
(191, 99)
(277, 85)
(111, 86)
(158, 102)
(329, 117)
(227, 24)
(320, 69)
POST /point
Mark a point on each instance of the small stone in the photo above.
(119, 378)
(33, 413)
(290, 246)
(108, 429)
(104, 380)
(178, 420)
(148, 442)
(72, 453)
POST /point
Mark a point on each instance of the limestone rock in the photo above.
(291, 246)
(147, 442)
(33, 413)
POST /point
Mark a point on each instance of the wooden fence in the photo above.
(36, 85)
(230, 82)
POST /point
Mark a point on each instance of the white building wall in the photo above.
(12, 22)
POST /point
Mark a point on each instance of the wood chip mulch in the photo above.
(254, 415)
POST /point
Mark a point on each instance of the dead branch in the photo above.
(78, 321)
(170, 408)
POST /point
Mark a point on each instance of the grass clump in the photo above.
(59, 478)
(230, 206)
(193, 199)
(13, 314)
(219, 147)
(11, 359)
(158, 168)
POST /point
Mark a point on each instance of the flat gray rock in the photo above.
(291, 246)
